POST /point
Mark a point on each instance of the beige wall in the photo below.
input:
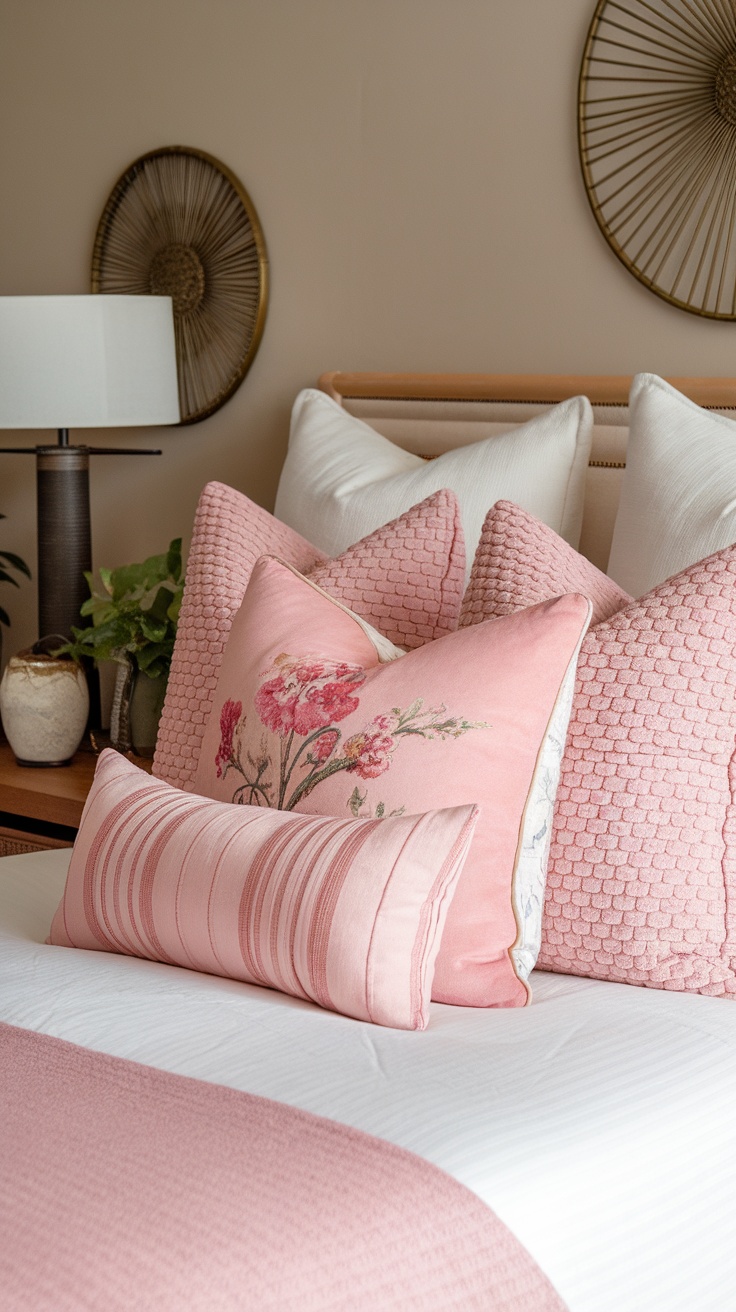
(414, 166)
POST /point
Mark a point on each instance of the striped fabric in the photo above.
(346, 913)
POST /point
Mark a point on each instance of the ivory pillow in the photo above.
(678, 495)
(316, 712)
(406, 578)
(346, 913)
(341, 478)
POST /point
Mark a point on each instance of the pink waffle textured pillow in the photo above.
(641, 885)
(316, 712)
(406, 578)
(346, 913)
(519, 561)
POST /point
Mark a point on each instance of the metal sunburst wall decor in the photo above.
(178, 223)
(657, 135)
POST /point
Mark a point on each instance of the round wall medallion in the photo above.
(178, 223)
(657, 136)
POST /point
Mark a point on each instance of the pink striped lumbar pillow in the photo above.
(406, 578)
(318, 713)
(345, 913)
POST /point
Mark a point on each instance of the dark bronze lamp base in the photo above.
(65, 541)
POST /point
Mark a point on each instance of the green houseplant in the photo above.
(8, 561)
(134, 616)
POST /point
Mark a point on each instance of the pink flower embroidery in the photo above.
(308, 694)
(324, 746)
(301, 701)
(275, 708)
(369, 752)
(229, 716)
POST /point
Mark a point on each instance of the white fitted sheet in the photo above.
(599, 1123)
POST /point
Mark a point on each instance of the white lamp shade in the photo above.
(87, 361)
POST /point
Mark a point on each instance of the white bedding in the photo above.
(599, 1123)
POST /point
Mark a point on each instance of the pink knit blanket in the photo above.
(124, 1187)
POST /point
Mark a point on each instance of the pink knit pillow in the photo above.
(520, 561)
(347, 913)
(641, 885)
(406, 578)
(316, 712)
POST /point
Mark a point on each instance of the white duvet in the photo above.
(599, 1123)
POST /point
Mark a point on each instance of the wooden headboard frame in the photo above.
(608, 456)
(540, 389)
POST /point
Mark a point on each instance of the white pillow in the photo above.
(342, 479)
(678, 495)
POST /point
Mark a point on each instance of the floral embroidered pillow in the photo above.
(315, 712)
(407, 578)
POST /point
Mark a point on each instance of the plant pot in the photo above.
(146, 705)
(44, 703)
(120, 709)
(137, 703)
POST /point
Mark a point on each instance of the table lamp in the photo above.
(99, 361)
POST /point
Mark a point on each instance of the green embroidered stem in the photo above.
(306, 785)
(318, 733)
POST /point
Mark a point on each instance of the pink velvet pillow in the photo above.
(347, 913)
(641, 885)
(406, 578)
(520, 561)
(316, 712)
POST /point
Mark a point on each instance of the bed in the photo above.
(597, 1123)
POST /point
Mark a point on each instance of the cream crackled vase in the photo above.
(44, 703)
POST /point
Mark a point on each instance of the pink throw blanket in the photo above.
(124, 1187)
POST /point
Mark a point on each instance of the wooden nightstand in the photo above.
(41, 808)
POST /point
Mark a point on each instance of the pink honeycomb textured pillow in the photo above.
(641, 884)
(347, 913)
(520, 561)
(405, 578)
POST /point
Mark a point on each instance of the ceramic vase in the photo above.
(44, 703)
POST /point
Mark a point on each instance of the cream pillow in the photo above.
(342, 479)
(678, 496)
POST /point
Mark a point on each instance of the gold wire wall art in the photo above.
(657, 136)
(178, 223)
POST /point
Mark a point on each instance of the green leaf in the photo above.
(135, 613)
(154, 660)
(173, 559)
(17, 562)
(3, 613)
(106, 576)
(355, 801)
(158, 603)
(155, 632)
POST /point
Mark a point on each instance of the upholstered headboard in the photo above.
(432, 413)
